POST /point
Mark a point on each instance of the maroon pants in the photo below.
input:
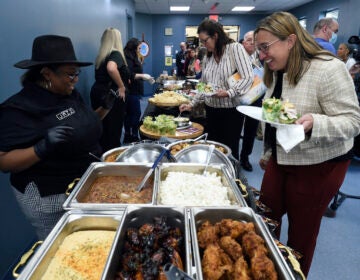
(303, 193)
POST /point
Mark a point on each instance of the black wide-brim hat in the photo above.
(51, 49)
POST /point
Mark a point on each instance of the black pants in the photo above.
(224, 126)
(250, 129)
(114, 120)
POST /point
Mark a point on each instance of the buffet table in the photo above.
(194, 131)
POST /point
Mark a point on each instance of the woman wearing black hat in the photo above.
(47, 131)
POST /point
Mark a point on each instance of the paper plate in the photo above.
(256, 113)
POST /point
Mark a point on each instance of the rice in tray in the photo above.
(189, 189)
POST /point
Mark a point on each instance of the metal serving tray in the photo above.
(198, 154)
(198, 215)
(204, 142)
(221, 170)
(144, 153)
(135, 217)
(70, 222)
(99, 169)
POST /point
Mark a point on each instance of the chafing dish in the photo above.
(135, 217)
(220, 146)
(198, 154)
(221, 170)
(70, 222)
(100, 169)
(144, 153)
(198, 215)
(112, 155)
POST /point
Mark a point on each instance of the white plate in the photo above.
(256, 113)
(184, 126)
(193, 80)
(208, 93)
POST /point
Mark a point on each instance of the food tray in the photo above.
(198, 215)
(233, 191)
(144, 153)
(192, 132)
(111, 155)
(100, 169)
(70, 222)
(198, 154)
(135, 217)
(188, 142)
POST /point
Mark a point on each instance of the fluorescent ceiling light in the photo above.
(242, 8)
(179, 8)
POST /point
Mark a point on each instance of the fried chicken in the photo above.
(241, 270)
(262, 268)
(215, 263)
(253, 244)
(231, 247)
(233, 228)
(207, 234)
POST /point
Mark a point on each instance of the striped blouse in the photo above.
(234, 58)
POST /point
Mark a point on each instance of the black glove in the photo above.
(53, 139)
(107, 101)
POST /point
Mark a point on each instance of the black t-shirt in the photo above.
(102, 76)
(135, 66)
(24, 120)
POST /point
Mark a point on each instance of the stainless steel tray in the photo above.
(70, 222)
(114, 153)
(135, 217)
(143, 153)
(204, 142)
(198, 154)
(233, 191)
(99, 169)
(198, 215)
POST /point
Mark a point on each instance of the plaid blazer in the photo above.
(326, 90)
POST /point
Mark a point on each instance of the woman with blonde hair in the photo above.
(301, 182)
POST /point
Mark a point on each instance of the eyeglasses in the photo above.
(71, 76)
(204, 41)
(265, 47)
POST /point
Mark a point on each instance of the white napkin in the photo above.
(289, 136)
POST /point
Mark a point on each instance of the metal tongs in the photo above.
(174, 273)
(151, 170)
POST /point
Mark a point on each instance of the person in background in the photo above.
(190, 62)
(250, 124)
(47, 131)
(325, 33)
(111, 73)
(344, 52)
(223, 58)
(180, 61)
(301, 182)
(136, 90)
(198, 63)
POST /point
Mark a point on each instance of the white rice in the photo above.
(189, 189)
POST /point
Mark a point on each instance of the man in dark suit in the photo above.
(180, 60)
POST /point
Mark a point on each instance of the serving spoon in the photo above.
(151, 170)
(209, 154)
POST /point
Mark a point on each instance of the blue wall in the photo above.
(349, 23)
(178, 23)
(84, 21)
